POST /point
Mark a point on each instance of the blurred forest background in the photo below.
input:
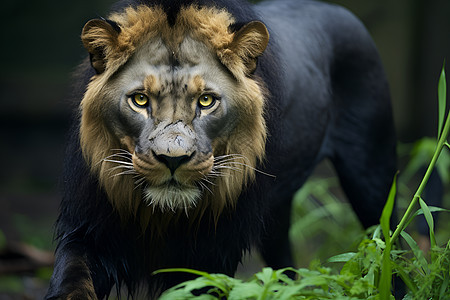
(41, 48)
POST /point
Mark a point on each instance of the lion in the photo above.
(196, 122)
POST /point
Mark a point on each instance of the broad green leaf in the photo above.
(311, 281)
(283, 277)
(351, 267)
(192, 285)
(266, 275)
(205, 279)
(289, 292)
(370, 278)
(359, 287)
(180, 291)
(184, 294)
(249, 290)
(442, 98)
(430, 221)
(345, 257)
(380, 243)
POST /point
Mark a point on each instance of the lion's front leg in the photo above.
(71, 277)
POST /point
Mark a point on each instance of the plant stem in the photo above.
(442, 141)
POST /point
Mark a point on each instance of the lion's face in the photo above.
(169, 110)
(176, 120)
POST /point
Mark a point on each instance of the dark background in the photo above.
(41, 47)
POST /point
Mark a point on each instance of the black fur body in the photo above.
(328, 99)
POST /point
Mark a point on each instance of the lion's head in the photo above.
(173, 119)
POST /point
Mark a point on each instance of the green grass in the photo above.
(367, 272)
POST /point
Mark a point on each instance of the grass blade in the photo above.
(444, 286)
(429, 219)
(183, 270)
(422, 262)
(385, 219)
(442, 98)
(386, 271)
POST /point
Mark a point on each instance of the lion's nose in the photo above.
(173, 162)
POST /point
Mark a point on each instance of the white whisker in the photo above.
(215, 174)
(231, 162)
(205, 187)
(128, 158)
(205, 179)
(118, 162)
(229, 168)
(129, 172)
(121, 167)
(124, 154)
(226, 158)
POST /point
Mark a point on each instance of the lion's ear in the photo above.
(99, 36)
(248, 43)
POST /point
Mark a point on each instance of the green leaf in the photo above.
(406, 277)
(377, 232)
(429, 219)
(184, 270)
(442, 98)
(444, 286)
(216, 280)
(345, 257)
(283, 277)
(420, 212)
(266, 275)
(387, 210)
(249, 290)
(386, 275)
(386, 269)
(422, 262)
(184, 289)
(359, 287)
(182, 294)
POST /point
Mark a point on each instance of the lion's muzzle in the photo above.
(173, 165)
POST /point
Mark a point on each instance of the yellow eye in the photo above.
(206, 101)
(140, 100)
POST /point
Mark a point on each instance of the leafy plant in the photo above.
(316, 203)
(366, 273)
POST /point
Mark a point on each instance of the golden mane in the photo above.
(210, 26)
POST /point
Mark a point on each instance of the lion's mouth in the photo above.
(171, 190)
(172, 195)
